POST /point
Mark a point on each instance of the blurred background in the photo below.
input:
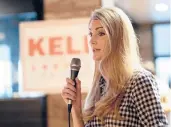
(151, 21)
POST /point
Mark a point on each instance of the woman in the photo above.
(122, 94)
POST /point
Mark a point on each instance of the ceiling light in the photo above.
(161, 7)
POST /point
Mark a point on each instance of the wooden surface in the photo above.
(55, 9)
(57, 111)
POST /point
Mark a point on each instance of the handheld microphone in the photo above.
(75, 67)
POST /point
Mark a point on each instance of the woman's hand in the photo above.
(69, 92)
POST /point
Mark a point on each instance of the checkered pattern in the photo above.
(102, 86)
(140, 106)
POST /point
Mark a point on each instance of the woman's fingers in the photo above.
(78, 82)
(70, 81)
(67, 96)
(71, 87)
(69, 91)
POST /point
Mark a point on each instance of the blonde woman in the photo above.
(122, 94)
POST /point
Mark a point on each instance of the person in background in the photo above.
(123, 94)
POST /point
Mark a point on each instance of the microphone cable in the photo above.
(69, 114)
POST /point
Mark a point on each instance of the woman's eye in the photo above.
(101, 34)
(90, 34)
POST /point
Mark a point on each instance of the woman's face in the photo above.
(98, 39)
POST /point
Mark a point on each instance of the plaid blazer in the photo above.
(140, 106)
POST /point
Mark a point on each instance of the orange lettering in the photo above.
(35, 46)
(70, 49)
(54, 43)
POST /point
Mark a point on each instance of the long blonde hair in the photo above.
(121, 57)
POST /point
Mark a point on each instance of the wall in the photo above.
(144, 33)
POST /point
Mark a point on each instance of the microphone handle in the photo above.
(74, 74)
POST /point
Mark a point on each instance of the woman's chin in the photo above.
(96, 58)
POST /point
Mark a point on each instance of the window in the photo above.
(9, 51)
(162, 40)
(162, 51)
(5, 73)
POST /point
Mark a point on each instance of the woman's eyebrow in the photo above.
(97, 28)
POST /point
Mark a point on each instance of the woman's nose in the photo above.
(93, 41)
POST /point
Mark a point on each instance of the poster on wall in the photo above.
(46, 51)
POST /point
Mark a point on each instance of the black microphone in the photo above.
(75, 67)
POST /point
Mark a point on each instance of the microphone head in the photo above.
(75, 64)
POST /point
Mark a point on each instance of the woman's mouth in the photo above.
(96, 50)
